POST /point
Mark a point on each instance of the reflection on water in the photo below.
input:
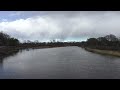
(12, 54)
(1, 63)
(63, 62)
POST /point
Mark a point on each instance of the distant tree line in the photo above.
(109, 42)
(52, 43)
(6, 40)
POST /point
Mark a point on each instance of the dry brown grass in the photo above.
(107, 52)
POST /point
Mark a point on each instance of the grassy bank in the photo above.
(105, 52)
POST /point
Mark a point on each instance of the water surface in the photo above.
(59, 63)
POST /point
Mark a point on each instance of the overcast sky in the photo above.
(62, 25)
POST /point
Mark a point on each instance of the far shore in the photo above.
(104, 52)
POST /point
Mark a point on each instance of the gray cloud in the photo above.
(47, 25)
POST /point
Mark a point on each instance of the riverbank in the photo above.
(105, 52)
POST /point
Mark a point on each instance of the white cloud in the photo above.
(63, 25)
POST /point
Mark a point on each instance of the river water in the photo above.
(59, 63)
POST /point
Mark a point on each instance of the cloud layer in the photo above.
(63, 25)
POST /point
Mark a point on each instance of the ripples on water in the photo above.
(59, 63)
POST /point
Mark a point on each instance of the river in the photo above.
(59, 63)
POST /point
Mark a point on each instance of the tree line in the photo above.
(51, 43)
(7, 40)
(108, 42)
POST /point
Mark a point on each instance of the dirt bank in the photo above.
(106, 52)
